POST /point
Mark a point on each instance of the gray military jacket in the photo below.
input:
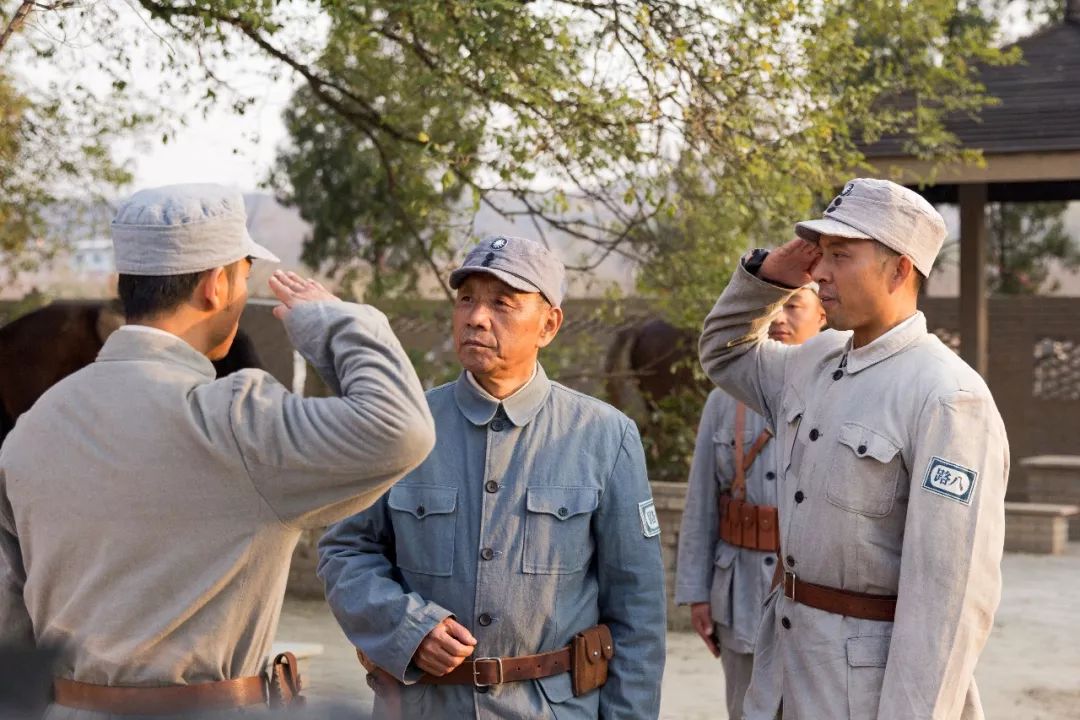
(148, 512)
(894, 463)
(734, 581)
(525, 524)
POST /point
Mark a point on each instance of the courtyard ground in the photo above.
(1030, 669)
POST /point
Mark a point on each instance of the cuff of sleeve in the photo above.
(745, 277)
(311, 327)
(408, 638)
(690, 595)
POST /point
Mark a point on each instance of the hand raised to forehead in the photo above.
(291, 290)
(791, 264)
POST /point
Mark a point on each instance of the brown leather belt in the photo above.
(172, 700)
(282, 690)
(841, 602)
(483, 672)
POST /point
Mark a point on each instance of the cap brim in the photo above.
(458, 276)
(257, 252)
(812, 230)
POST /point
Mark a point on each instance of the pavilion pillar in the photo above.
(974, 316)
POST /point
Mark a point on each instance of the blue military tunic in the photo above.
(531, 520)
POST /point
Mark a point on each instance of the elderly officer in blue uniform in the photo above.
(531, 522)
(726, 565)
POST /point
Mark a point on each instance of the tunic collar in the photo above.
(887, 345)
(479, 407)
(129, 343)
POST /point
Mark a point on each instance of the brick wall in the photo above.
(1035, 426)
(1035, 534)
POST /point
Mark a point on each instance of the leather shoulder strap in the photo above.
(744, 461)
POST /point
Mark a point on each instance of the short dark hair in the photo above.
(146, 296)
(887, 252)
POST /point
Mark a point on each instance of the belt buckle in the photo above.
(476, 673)
(789, 584)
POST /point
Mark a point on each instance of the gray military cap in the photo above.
(522, 264)
(881, 210)
(180, 229)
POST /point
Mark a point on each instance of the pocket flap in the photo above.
(868, 651)
(423, 500)
(599, 646)
(608, 646)
(793, 404)
(864, 442)
(557, 688)
(562, 502)
(725, 555)
(722, 438)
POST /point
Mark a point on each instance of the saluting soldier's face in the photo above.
(498, 331)
(861, 282)
(232, 290)
(801, 318)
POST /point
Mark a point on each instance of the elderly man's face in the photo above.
(498, 331)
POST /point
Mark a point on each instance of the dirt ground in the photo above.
(1030, 669)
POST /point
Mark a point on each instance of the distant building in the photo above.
(92, 259)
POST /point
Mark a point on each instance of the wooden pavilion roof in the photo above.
(1039, 108)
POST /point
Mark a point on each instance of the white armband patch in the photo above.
(950, 480)
(650, 523)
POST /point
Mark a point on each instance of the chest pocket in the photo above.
(558, 537)
(724, 451)
(864, 477)
(424, 521)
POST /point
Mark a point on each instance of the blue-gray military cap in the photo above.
(522, 264)
(179, 229)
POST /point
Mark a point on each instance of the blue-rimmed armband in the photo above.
(950, 480)
(650, 523)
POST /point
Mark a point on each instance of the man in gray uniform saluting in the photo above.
(516, 573)
(894, 464)
(148, 512)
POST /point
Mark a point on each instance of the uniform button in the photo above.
(563, 512)
(790, 561)
(814, 434)
(770, 475)
(862, 449)
(799, 497)
(487, 553)
(421, 511)
(491, 486)
(484, 619)
(785, 622)
(770, 560)
(838, 201)
(498, 425)
(838, 374)
(482, 689)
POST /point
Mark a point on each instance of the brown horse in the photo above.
(43, 347)
(656, 357)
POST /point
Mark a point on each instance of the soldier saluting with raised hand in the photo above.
(148, 511)
(893, 471)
